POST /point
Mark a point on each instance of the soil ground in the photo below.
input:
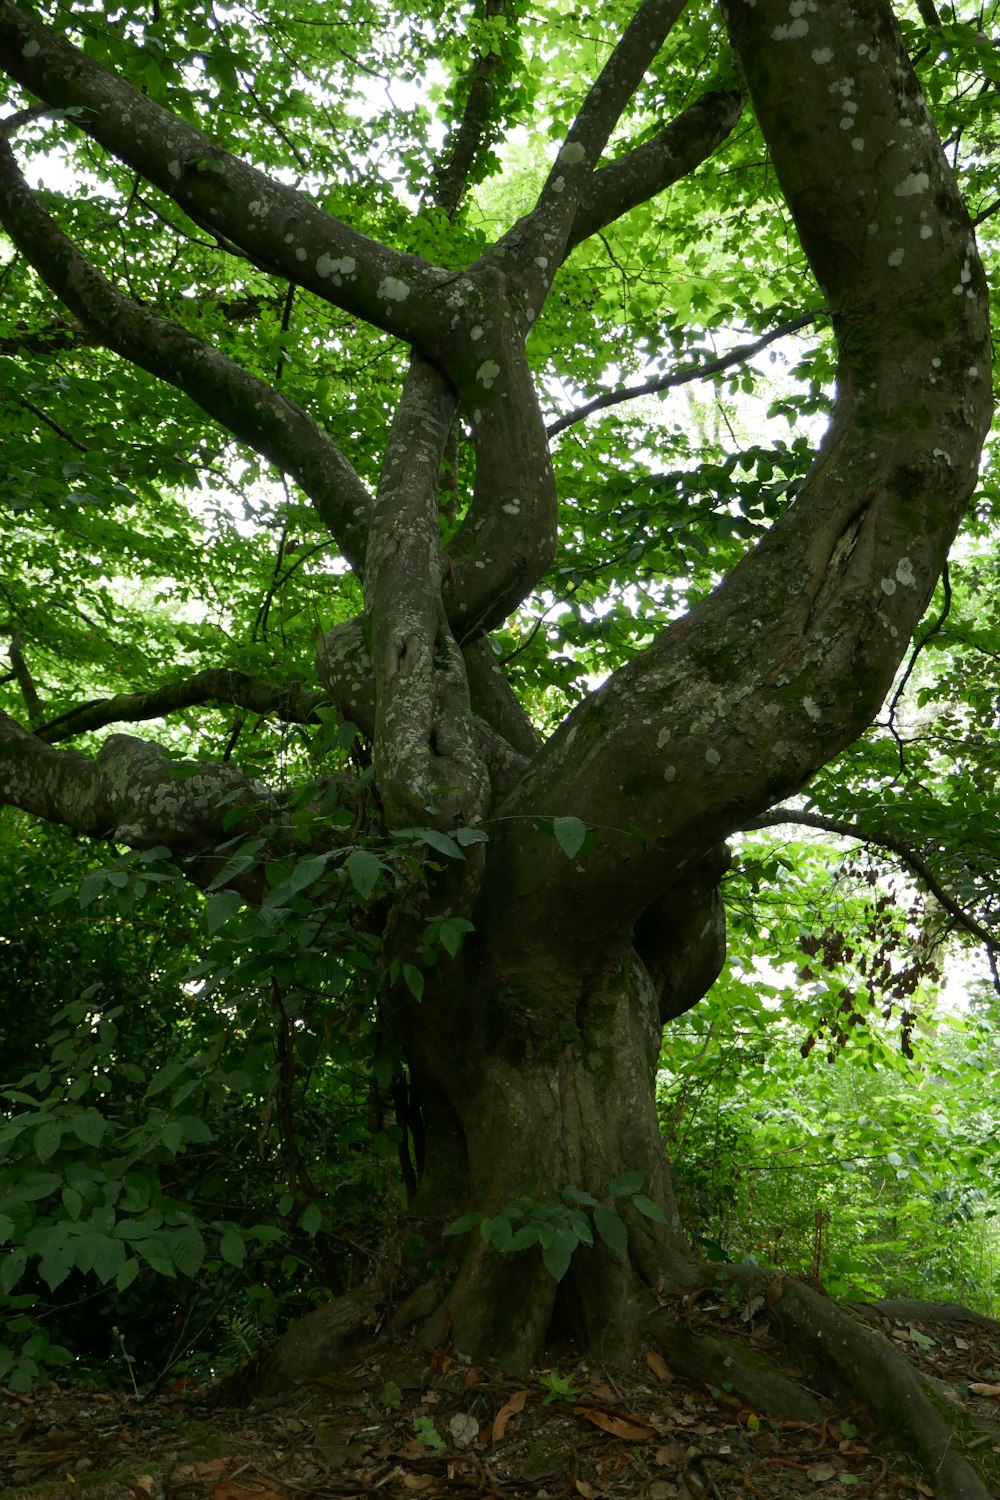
(396, 1422)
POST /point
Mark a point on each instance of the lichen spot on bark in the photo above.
(904, 573)
(327, 265)
(572, 153)
(391, 289)
(822, 55)
(31, 49)
(487, 373)
(917, 182)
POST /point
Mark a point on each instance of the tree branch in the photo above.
(278, 227)
(424, 752)
(130, 793)
(466, 143)
(905, 852)
(682, 377)
(645, 171)
(245, 406)
(32, 702)
(223, 686)
(790, 657)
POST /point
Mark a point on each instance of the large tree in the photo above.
(252, 228)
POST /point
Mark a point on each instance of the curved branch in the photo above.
(904, 851)
(247, 407)
(537, 244)
(789, 659)
(222, 686)
(645, 171)
(466, 142)
(681, 377)
(130, 792)
(279, 228)
(426, 761)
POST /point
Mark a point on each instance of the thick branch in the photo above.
(904, 851)
(702, 371)
(245, 406)
(788, 660)
(131, 792)
(279, 228)
(647, 170)
(426, 763)
(222, 686)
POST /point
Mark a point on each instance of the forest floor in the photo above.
(398, 1423)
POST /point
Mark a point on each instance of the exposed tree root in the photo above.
(747, 1373)
(849, 1359)
(840, 1356)
(316, 1344)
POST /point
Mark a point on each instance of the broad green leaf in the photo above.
(363, 869)
(625, 1184)
(611, 1229)
(570, 835)
(558, 1254)
(232, 1249)
(220, 908)
(47, 1139)
(649, 1208)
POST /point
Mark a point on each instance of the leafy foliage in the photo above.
(208, 1118)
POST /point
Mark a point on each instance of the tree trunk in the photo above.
(549, 1076)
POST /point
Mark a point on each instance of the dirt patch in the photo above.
(400, 1424)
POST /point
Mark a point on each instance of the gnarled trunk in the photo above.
(555, 1092)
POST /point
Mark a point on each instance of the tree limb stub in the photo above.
(130, 792)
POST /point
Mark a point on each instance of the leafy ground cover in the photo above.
(401, 1423)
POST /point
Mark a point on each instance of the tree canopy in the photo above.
(461, 471)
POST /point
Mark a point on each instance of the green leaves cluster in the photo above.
(559, 1225)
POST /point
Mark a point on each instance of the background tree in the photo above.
(276, 260)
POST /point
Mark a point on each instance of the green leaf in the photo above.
(311, 1219)
(611, 1229)
(188, 1249)
(47, 1140)
(649, 1208)
(89, 1127)
(464, 1224)
(220, 908)
(232, 1249)
(305, 873)
(570, 835)
(56, 1261)
(558, 1254)
(363, 870)
(414, 980)
(625, 1184)
(109, 1259)
(126, 1275)
(451, 932)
